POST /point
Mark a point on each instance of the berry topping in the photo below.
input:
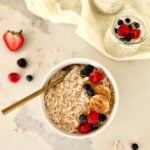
(83, 73)
(84, 128)
(123, 30)
(96, 76)
(13, 40)
(86, 71)
(136, 25)
(127, 38)
(22, 62)
(83, 118)
(127, 20)
(93, 117)
(102, 117)
(135, 146)
(135, 33)
(29, 77)
(120, 22)
(14, 77)
(94, 127)
(116, 30)
(90, 92)
(87, 86)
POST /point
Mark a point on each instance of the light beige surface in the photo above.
(91, 24)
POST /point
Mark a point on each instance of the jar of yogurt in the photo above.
(109, 6)
(126, 35)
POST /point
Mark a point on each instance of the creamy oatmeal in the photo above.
(82, 101)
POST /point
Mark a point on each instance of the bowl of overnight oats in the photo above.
(84, 103)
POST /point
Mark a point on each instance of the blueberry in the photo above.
(135, 146)
(87, 86)
(102, 117)
(126, 38)
(120, 22)
(116, 30)
(83, 118)
(29, 77)
(88, 69)
(136, 25)
(22, 62)
(83, 73)
(90, 92)
(127, 20)
(94, 127)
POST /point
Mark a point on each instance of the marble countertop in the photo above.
(46, 45)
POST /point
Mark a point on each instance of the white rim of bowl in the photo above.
(80, 61)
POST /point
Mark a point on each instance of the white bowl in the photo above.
(114, 110)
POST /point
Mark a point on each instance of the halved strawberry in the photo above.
(84, 128)
(123, 30)
(135, 33)
(93, 117)
(13, 40)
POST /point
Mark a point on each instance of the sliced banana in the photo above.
(100, 89)
(99, 103)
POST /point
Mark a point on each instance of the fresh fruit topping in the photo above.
(123, 30)
(83, 74)
(90, 92)
(14, 77)
(127, 20)
(135, 33)
(84, 128)
(96, 76)
(120, 22)
(13, 40)
(99, 103)
(102, 117)
(87, 86)
(136, 25)
(22, 62)
(116, 30)
(93, 117)
(127, 38)
(135, 146)
(86, 71)
(83, 118)
(29, 77)
(94, 127)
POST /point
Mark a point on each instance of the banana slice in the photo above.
(99, 89)
(99, 103)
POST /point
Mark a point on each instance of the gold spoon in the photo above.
(30, 97)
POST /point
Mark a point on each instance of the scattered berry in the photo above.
(94, 127)
(93, 117)
(22, 62)
(83, 118)
(135, 33)
(87, 86)
(96, 76)
(126, 38)
(102, 117)
(83, 73)
(13, 40)
(123, 30)
(120, 22)
(90, 92)
(135, 146)
(29, 77)
(136, 25)
(14, 77)
(84, 128)
(127, 20)
(116, 30)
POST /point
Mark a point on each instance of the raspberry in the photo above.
(96, 76)
(123, 30)
(93, 117)
(135, 33)
(14, 77)
(84, 128)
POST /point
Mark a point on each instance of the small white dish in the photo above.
(114, 110)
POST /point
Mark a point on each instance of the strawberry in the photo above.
(84, 128)
(14, 77)
(135, 33)
(93, 117)
(13, 40)
(123, 30)
(96, 76)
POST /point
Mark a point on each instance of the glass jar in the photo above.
(128, 45)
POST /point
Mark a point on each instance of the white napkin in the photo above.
(91, 24)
